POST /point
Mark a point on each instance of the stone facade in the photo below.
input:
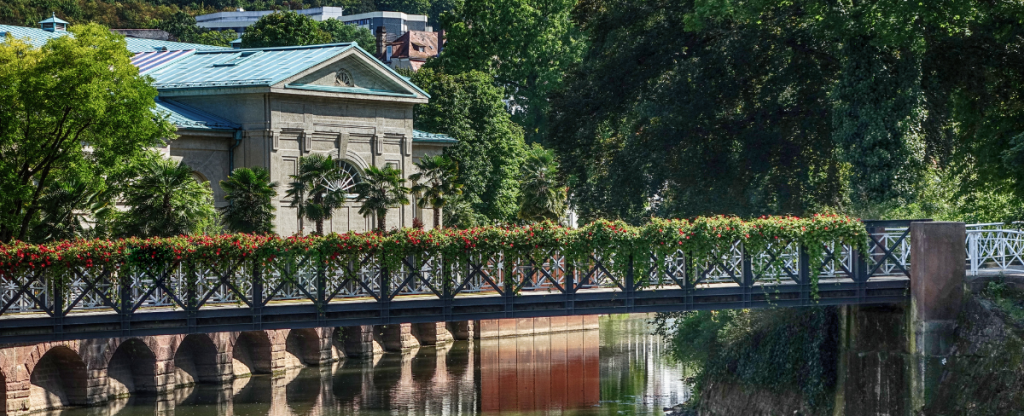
(303, 115)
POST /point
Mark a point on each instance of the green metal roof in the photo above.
(419, 136)
(53, 19)
(242, 67)
(185, 117)
(38, 37)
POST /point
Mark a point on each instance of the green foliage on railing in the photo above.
(704, 239)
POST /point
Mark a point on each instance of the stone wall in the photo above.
(54, 375)
(494, 328)
(59, 374)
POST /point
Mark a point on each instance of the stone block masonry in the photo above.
(500, 328)
(54, 375)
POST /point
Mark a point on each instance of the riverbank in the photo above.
(759, 362)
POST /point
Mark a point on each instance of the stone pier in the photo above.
(892, 357)
(500, 328)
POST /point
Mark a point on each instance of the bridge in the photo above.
(83, 335)
(168, 298)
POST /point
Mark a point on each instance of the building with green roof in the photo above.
(268, 107)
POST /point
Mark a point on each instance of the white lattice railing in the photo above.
(991, 249)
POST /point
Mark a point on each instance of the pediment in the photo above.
(356, 74)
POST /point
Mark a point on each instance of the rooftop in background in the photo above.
(395, 22)
(410, 51)
(155, 34)
(38, 37)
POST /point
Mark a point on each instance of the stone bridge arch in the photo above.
(59, 378)
(252, 353)
(132, 368)
(197, 359)
(3, 390)
(302, 347)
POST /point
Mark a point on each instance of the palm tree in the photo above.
(542, 194)
(250, 195)
(63, 205)
(313, 190)
(439, 175)
(381, 189)
(166, 200)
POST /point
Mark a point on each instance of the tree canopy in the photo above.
(74, 110)
(526, 45)
(341, 32)
(469, 108)
(284, 29)
(749, 108)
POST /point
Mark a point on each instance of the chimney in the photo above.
(440, 41)
(382, 36)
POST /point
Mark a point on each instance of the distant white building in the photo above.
(396, 23)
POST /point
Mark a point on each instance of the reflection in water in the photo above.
(619, 369)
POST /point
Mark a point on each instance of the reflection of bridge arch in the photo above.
(303, 391)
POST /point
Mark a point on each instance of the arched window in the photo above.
(347, 180)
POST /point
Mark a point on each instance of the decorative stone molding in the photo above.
(307, 141)
(275, 136)
(407, 145)
(342, 144)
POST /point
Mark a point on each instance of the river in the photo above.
(618, 369)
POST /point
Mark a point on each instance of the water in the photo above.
(618, 369)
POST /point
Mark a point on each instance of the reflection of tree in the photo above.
(303, 391)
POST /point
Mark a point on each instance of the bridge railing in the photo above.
(183, 284)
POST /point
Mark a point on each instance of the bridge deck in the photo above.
(279, 314)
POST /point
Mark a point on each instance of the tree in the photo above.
(469, 108)
(250, 195)
(405, 6)
(63, 209)
(439, 176)
(183, 27)
(542, 193)
(73, 91)
(341, 32)
(284, 29)
(381, 189)
(166, 200)
(526, 45)
(312, 192)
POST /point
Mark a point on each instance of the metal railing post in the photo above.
(747, 278)
(385, 294)
(630, 285)
(257, 296)
(804, 273)
(58, 303)
(126, 301)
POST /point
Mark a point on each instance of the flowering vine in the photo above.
(618, 246)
